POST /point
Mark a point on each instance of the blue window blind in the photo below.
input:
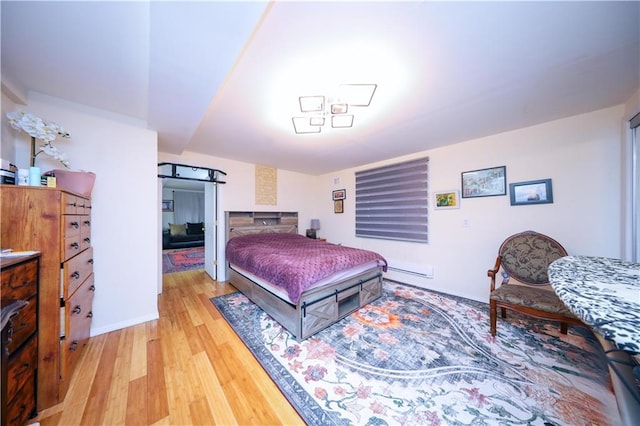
(392, 201)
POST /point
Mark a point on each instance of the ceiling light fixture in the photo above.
(316, 108)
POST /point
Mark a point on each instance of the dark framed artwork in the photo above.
(339, 194)
(338, 206)
(167, 205)
(484, 182)
(531, 192)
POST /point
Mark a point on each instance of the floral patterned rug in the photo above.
(420, 357)
(178, 260)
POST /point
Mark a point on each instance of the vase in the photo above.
(35, 176)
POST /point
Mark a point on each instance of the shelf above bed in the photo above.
(261, 218)
(249, 222)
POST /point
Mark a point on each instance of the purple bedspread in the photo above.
(292, 261)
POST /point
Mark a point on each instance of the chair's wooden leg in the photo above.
(503, 312)
(563, 327)
(493, 317)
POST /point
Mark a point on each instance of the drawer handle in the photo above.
(75, 275)
(92, 288)
(81, 205)
(90, 261)
(71, 204)
(75, 246)
(77, 309)
(90, 314)
(87, 240)
(74, 345)
(75, 225)
(87, 222)
(24, 283)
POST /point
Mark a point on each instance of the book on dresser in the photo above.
(57, 223)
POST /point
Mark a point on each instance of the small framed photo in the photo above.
(531, 192)
(339, 194)
(446, 200)
(338, 206)
(484, 182)
(167, 205)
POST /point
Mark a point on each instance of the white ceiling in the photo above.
(223, 78)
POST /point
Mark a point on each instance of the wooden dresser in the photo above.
(58, 224)
(19, 337)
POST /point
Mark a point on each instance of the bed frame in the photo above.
(318, 307)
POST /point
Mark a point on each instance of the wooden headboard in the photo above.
(243, 223)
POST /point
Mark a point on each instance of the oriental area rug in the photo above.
(421, 357)
(179, 260)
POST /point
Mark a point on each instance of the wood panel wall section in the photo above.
(56, 223)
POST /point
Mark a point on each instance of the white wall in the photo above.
(123, 154)
(580, 154)
(7, 145)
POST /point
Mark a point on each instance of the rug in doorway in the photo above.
(421, 357)
(178, 260)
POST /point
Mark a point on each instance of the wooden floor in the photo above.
(187, 368)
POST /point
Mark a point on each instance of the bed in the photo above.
(304, 284)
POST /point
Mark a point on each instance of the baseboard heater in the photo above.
(424, 271)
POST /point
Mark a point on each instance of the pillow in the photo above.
(177, 229)
(195, 228)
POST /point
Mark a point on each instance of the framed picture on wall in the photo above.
(484, 182)
(338, 206)
(531, 192)
(446, 200)
(167, 205)
(339, 194)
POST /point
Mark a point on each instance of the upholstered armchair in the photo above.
(525, 257)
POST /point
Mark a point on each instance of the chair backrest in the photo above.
(527, 255)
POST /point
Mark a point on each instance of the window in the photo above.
(391, 201)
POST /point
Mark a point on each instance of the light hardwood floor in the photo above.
(187, 368)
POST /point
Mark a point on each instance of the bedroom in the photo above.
(583, 153)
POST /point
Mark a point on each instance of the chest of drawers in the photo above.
(19, 278)
(58, 224)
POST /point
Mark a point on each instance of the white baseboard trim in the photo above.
(124, 324)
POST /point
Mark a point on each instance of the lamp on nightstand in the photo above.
(315, 225)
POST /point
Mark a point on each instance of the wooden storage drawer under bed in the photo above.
(320, 313)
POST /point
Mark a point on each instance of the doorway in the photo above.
(183, 216)
(188, 225)
(187, 177)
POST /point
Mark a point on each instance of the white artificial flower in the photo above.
(37, 128)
